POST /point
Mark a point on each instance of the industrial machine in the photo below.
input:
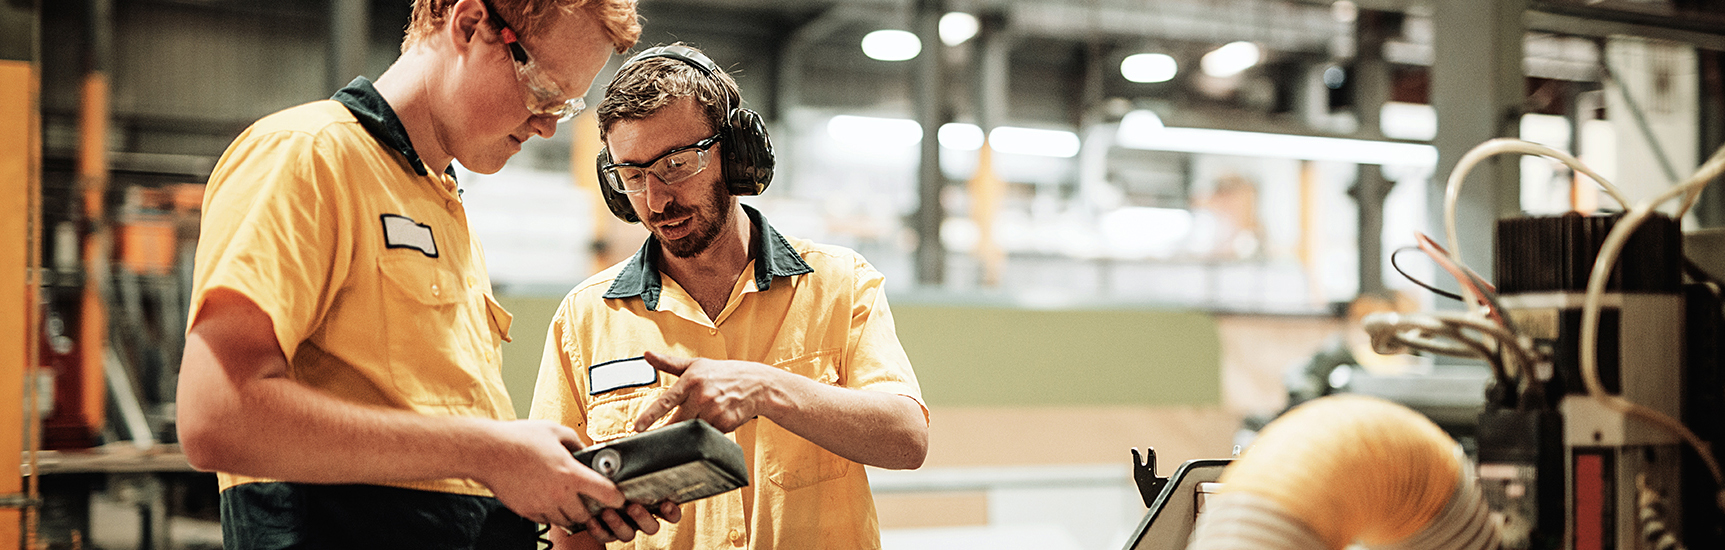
(1604, 404)
(1567, 469)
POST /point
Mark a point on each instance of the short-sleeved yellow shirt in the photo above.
(324, 217)
(816, 310)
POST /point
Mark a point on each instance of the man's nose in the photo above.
(658, 196)
(545, 126)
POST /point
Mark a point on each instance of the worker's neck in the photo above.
(410, 87)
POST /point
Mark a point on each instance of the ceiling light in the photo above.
(1149, 67)
(1412, 121)
(1140, 122)
(891, 45)
(1231, 59)
(957, 27)
(960, 136)
(885, 133)
(1344, 11)
(874, 132)
(1032, 141)
(1154, 137)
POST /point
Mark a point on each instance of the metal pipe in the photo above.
(930, 113)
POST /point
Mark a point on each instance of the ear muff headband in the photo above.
(747, 162)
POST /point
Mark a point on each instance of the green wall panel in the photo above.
(1014, 357)
(994, 356)
(521, 357)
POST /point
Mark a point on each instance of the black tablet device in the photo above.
(682, 462)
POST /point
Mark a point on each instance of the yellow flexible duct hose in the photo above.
(1354, 468)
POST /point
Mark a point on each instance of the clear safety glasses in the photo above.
(674, 166)
(544, 96)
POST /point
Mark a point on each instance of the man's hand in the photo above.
(536, 475)
(724, 393)
(617, 529)
(873, 428)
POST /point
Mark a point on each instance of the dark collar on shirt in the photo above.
(640, 277)
(379, 119)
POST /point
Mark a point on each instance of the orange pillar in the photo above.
(93, 177)
(986, 189)
(20, 155)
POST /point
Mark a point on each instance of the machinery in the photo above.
(1604, 403)
(1566, 469)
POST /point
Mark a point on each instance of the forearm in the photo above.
(278, 428)
(875, 428)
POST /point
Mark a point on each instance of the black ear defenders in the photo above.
(747, 152)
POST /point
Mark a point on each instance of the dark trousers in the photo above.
(275, 516)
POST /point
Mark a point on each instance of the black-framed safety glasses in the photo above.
(674, 166)
(544, 96)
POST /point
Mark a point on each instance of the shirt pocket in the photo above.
(427, 324)
(793, 462)
(612, 415)
(500, 319)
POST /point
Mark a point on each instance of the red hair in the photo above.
(526, 17)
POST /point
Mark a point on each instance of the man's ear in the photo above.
(466, 19)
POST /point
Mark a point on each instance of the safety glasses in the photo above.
(674, 166)
(544, 96)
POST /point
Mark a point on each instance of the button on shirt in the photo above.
(815, 310)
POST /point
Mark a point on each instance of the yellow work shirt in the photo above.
(324, 217)
(816, 310)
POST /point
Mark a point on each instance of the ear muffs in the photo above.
(617, 202)
(747, 153)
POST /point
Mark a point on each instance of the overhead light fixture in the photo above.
(1344, 11)
(957, 27)
(1411, 121)
(885, 133)
(874, 132)
(1140, 121)
(1034, 141)
(891, 45)
(960, 136)
(1149, 67)
(1230, 59)
(1141, 133)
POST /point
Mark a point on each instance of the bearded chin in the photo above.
(719, 210)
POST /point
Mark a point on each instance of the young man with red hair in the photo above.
(342, 370)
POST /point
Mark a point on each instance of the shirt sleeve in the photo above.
(272, 232)
(877, 361)
(555, 392)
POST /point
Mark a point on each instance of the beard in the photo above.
(710, 218)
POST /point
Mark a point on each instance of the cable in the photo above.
(1608, 251)
(1421, 284)
(1503, 335)
(1397, 333)
(1452, 189)
(1711, 169)
(1443, 261)
(1651, 507)
(1479, 291)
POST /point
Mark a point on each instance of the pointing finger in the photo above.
(669, 364)
(658, 407)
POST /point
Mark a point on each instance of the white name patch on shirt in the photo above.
(403, 232)
(622, 373)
